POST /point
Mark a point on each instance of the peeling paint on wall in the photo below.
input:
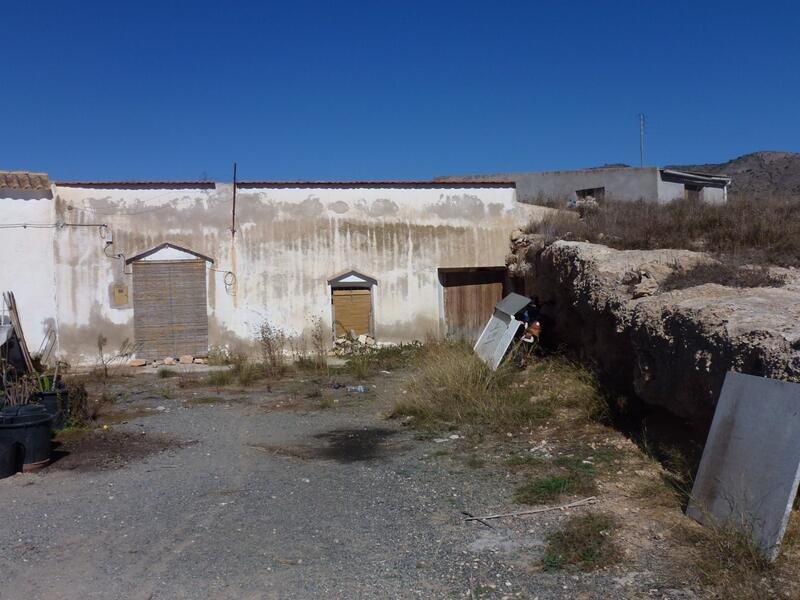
(289, 242)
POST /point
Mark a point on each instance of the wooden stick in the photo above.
(13, 313)
(577, 503)
(478, 519)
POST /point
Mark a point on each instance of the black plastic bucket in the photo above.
(28, 428)
(56, 403)
(8, 459)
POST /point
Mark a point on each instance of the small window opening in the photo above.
(597, 194)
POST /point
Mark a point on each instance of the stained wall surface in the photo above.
(26, 258)
(290, 240)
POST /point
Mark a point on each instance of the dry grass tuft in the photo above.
(757, 230)
(726, 561)
(272, 341)
(164, 373)
(558, 382)
(584, 542)
(451, 385)
(220, 378)
(566, 475)
(367, 361)
(722, 274)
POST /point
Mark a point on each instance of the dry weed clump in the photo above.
(272, 343)
(756, 230)
(566, 476)
(584, 542)
(450, 384)
(722, 274)
(558, 382)
(726, 561)
(367, 361)
(314, 359)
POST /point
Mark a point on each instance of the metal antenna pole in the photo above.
(641, 139)
(233, 212)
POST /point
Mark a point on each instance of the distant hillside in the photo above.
(758, 173)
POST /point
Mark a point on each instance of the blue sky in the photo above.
(348, 90)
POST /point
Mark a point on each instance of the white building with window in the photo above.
(171, 267)
(613, 182)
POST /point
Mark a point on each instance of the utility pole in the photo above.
(233, 212)
(641, 139)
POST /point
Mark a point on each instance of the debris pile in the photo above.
(347, 345)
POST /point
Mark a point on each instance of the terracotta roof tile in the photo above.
(24, 180)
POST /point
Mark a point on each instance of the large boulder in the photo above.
(667, 348)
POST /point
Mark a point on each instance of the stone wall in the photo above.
(670, 349)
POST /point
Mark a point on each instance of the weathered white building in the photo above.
(614, 183)
(172, 267)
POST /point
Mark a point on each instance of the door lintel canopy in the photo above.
(351, 278)
(164, 249)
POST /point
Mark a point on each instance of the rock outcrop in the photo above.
(667, 348)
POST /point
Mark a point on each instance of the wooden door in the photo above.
(170, 316)
(469, 299)
(467, 308)
(352, 311)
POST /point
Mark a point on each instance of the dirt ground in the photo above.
(304, 489)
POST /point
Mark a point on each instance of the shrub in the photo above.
(319, 343)
(316, 360)
(220, 378)
(218, 356)
(728, 561)
(758, 230)
(450, 384)
(247, 373)
(164, 373)
(558, 382)
(583, 541)
(272, 344)
(722, 274)
(79, 413)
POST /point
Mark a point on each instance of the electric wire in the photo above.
(229, 277)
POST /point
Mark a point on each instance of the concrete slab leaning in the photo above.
(750, 469)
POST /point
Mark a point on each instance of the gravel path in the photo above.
(336, 503)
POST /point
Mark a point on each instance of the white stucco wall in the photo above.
(290, 240)
(27, 266)
(671, 190)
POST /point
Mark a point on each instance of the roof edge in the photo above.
(203, 183)
(376, 183)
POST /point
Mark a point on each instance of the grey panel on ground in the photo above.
(750, 468)
(496, 337)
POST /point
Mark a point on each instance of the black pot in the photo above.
(56, 403)
(27, 429)
(8, 459)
